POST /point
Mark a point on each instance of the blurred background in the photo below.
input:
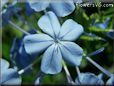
(98, 23)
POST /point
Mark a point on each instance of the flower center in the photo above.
(57, 40)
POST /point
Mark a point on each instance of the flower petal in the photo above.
(28, 10)
(38, 5)
(88, 79)
(18, 53)
(37, 43)
(10, 77)
(3, 64)
(70, 30)
(71, 52)
(49, 24)
(110, 81)
(62, 8)
(51, 62)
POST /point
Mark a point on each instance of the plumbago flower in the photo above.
(89, 79)
(10, 11)
(57, 42)
(28, 10)
(103, 25)
(9, 76)
(61, 8)
(18, 55)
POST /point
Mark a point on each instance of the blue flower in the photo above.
(88, 79)
(9, 12)
(57, 42)
(60, 8)
(18, 55)
(9, 76)
(111, 80)
(28, 10)
(103, 25)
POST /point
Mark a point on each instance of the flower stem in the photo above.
(21, 18)
(69, 78)
(20, 29)
(98, 66)
(78, 71)
(96, 52)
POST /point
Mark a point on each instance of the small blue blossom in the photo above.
(103, 25)
(9, 76)
(88, 79)
(57, 43)
(60, 8)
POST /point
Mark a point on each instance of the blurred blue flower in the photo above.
(88, 79)
(28, 10)
(111, 81)
(103, 25)
(18, 55)
(60, 8)
(57, 43)
(7, 13)
(8, 76)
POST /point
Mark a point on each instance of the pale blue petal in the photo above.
(3, 64)
(37, 81)
(71, 52)
(10, 77)
(38, 5)
(51, 62)
(70, 30)
(88, 79)
(62, 8)
(100, 76)
(101, 25)
(37, 43)
(49, 24)
(110, 80)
